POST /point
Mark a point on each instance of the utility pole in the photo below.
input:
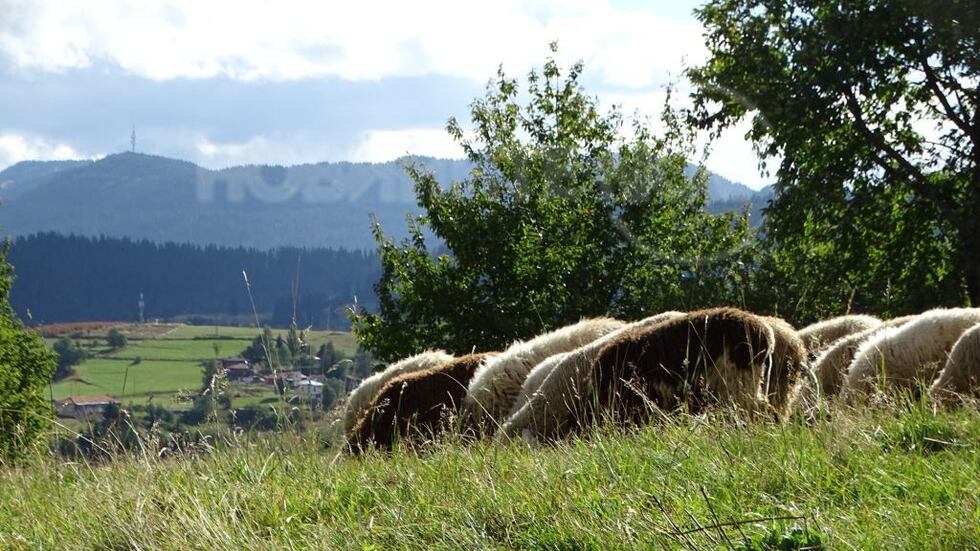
(132, 138)
(141, 308)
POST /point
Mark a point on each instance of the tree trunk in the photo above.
(971, 221)
(970, 238)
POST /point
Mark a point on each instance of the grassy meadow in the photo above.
(898, 478)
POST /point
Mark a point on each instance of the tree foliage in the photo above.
(26, 366)
(68, 354)
(873, 109)
(561, 217)
(116, 339)
(108, 274)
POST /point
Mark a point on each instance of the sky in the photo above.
(224, 83)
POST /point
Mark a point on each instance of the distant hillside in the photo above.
(27, 175)
(161, 199)
(70, 278)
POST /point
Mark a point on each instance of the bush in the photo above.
(68, 354)
(115, 339)
(26, 366)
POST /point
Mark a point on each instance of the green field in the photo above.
(343, 341)
(107, 376)
(893, 479)
(181, 349)
(171, 362)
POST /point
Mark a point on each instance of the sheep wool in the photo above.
(497, 383)
(818, 336)
(830, 366)
(905, 356)
(707, 357)
(787, 372)
(415, 406)
(364, 394)
(961, 375)
(547, 396)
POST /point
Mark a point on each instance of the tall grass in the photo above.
(897, 477)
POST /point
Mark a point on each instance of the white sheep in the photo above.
(818, 336)
(547, 391)
(901, 357)
(497, 383)
(362, 396)
(961, 375)
(830, 365)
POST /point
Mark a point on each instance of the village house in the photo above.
(84, 407)
(237, 370)
(309, 391)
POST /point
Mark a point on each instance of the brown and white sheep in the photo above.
(819, 336)
(960, 377)
(364, 394)
(708, 357)
(418, 404)
(548, 395)
(497, 383)
(712, 356)
(909, 355)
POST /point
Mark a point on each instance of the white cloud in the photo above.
(273, 150)
(629, 54)
(386, 145)
(17, 147)
(732, 156)
(352, 40)
(372, 146)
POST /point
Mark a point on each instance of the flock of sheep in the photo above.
(608, 370)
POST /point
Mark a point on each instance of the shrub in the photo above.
(26, 366)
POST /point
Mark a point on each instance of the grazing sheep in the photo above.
(788, 370)
(544, 400)
(497, 383)
(419, 403)
(830, 366)
(711, 356)
(698, 359)
(363, 395)
(818, 336)
(901, 357)
(961, 375)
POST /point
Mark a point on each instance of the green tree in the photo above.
(260, 348)
(116, 339)
(333, 389)
(328, 358)
(211, 370)
(283, 357)
(294, 341)
(873, 111)
(561, 217)
(68, 354)
(363, 363)
(26, 366)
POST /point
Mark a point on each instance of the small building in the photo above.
(293, 378)
(240, 373)
(84, 407)
(309, 391)
(228, 363)
(237, 370)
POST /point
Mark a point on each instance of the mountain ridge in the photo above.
(142, 196)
